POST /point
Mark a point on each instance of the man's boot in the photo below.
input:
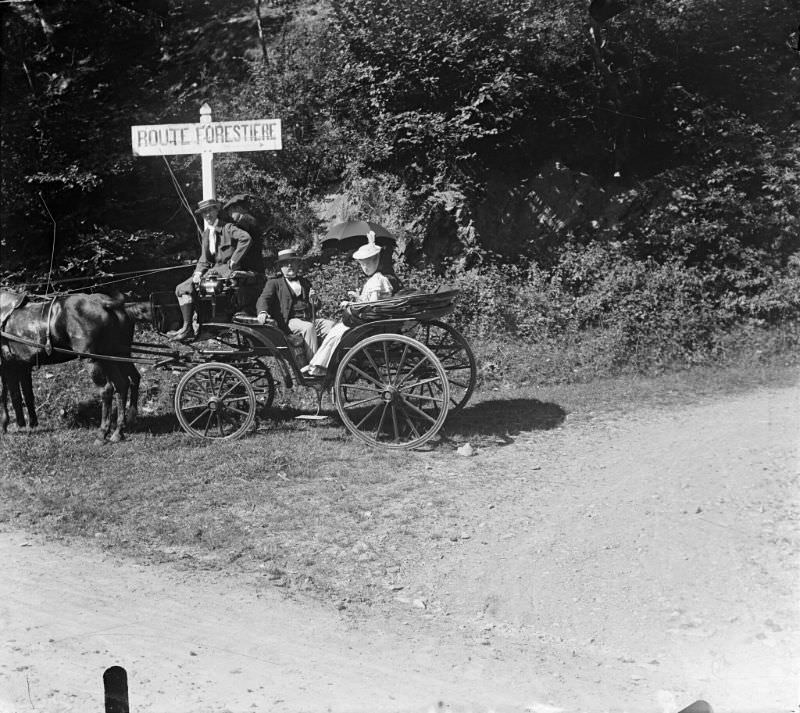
(186, 332)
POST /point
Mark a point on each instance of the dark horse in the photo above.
(65, 327)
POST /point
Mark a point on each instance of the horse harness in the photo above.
(23, 299)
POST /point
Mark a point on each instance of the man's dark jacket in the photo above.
(235, 248)
(276, 300)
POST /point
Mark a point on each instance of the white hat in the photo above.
(288, 254)
(369, 250)
(207, 203)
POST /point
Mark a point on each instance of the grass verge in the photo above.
(296, 504)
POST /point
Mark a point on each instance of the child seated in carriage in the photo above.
(377, 287)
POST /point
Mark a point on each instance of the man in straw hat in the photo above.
(224, 249)
(377, 287)
(289, 299)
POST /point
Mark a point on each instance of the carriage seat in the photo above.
(422, 306)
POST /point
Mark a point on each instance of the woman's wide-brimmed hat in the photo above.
(288, 254)
(207, 203)
(370, 249)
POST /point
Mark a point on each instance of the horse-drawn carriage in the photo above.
(394, 378)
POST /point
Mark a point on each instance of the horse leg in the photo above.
(118, 377)
(4, 399)
(26, 381)
(133, 394)
(100, 379)
(12, 372)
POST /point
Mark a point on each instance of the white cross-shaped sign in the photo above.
(207, 138)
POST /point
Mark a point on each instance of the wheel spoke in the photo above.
(194, 389)
(235, 399)
(394, 423)
(361, 387)
(374, 365)
(417, 411)
(356, 404)
(401, 362)
(366, 376)
(423, 397)
(233, 388)
(430, 390)
(455, 367)
(416, 366)
(419, 383)
(236, 410)
(208, 422)
(386, 363)
(366, 418)
(219, 423)
(410, 422)
(383, 417)
(198, 417)
(223, 378)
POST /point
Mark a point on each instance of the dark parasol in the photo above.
(352, 234)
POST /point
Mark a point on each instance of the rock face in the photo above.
(517, 215)
(525, 215)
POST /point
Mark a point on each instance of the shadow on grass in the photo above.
(506, 418)
(167, 422)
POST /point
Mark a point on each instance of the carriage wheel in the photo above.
(391, 391)
(260, 377)
(456, 357)
(215, 400)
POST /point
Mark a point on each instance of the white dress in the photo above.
(377, 287)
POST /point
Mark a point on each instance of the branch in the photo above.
(262, 41)
(596, 45)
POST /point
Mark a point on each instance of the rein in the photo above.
(31, 343)
(125, 276)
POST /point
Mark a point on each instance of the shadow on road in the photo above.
(505, 419)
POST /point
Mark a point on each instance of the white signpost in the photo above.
(207, 138)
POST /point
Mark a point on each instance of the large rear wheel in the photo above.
(391, 390)
(456, 356)
(215, 400)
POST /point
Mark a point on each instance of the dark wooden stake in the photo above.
(115, 683)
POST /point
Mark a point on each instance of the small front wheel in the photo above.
(392, 391)
(215, 400)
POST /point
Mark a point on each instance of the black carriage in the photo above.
(396, 375)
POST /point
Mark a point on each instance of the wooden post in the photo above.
(115, 683)
(207, 159)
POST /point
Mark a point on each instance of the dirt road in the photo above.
(631, 564)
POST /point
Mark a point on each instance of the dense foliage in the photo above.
(678, 118)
